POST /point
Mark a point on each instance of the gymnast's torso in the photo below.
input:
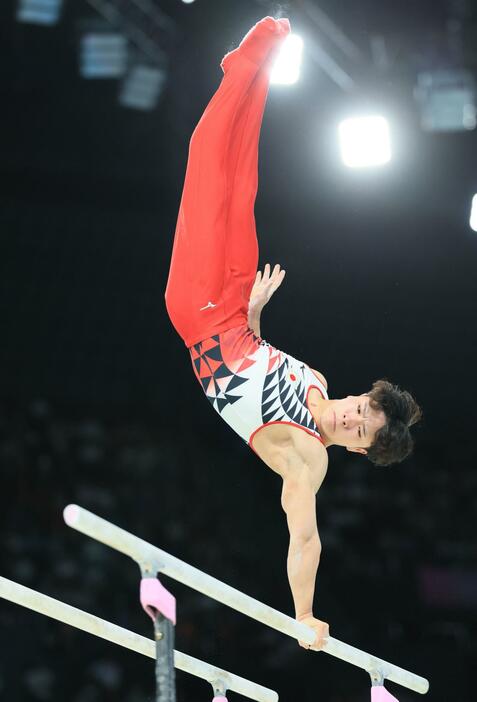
(266, 396)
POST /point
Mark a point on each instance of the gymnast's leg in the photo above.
(199, 298)
(242, 248)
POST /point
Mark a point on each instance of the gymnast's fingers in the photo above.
(277, 279)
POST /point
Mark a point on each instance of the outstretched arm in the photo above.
(265, 285)
(299, 503)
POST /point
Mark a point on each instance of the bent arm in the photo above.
(299, 504)
(265, 285)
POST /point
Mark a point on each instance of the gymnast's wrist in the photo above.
(254, 315)
(306, 615)
(254, 321)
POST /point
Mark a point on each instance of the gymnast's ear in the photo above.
(357, 450)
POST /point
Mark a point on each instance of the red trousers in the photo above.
(215, 253)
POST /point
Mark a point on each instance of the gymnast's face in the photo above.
(352, 423)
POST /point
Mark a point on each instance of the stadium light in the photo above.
(473, 214)
(44, 12)
(446, 100)
(286, 69)
(141, 87)
(103, 55)
(365, 141)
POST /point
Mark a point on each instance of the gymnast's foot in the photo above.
(259, 42)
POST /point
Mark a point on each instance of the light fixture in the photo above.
(44, 12)
(365, 141)
(103, 55)
(286, 68)
(446, 100)
(142, 86)
(473, 214)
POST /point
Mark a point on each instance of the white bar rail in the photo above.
(62, 612)
(157, 560)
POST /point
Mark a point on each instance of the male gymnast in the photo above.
(276, 403)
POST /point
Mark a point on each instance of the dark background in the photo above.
(99, 405)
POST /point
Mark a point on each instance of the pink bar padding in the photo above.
(219, 699)
(70, 514)
(154, 596)
(380, 694)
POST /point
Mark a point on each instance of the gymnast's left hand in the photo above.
(265, 285)
(322, 631)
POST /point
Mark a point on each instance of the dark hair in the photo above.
(393, 442)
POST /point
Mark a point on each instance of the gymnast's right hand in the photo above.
(322, 630)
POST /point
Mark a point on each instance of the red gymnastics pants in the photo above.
(215, 252)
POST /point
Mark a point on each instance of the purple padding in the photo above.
(219, 699)
(380, 694)
(155, 598)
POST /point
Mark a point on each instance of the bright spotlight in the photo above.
(473, 214)
(286, 69)
(365, 142)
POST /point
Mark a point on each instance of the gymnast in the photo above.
(214, 298)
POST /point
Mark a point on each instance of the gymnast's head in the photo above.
(376, 424)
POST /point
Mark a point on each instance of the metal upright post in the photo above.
(378, 691)
(160, 605)
(220, 691)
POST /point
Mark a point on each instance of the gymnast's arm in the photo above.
(254, 320)
(299, 503)
(265, 285)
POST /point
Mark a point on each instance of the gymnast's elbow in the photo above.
(310, 543)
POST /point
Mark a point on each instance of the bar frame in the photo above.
(101, 628)
(153, 559)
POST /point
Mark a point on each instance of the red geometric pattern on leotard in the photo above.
(219, 361)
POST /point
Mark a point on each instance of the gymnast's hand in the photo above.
(264, 287)
(322, 630)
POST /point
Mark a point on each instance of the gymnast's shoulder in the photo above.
(320, 377)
